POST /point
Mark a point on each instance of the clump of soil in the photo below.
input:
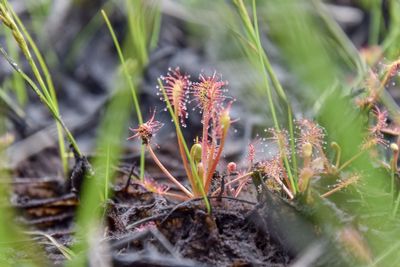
(227, 237)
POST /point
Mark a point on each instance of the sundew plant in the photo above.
(203, 157)
(201, 160)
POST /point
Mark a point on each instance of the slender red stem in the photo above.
(287, 191)
(209, 162)
(177, 196)
(167, 173)
(246, 175)
(286, 178)
(239, 189)
(204, 141)
(185, 162)
(211, 151)
(215, 161)
(394, 132)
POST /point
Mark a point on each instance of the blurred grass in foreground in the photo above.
(16, 247)
(113, 130)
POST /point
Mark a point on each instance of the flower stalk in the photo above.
(197, 183)
(167, 173)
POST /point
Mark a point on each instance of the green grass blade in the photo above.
(107, 175)
(375, 23)
(12, 240)
(264, 65)
(391, 43)
(17, 81)
(131, 86)
(137, 12)
(49, 87)
(270, 100)
(92, 206)
(156, 27)
(46, 101)
(83, 37)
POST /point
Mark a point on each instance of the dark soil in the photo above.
(145, 229)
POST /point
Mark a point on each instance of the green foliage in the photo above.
(253, 36)
(109, 142)
(45, 90)
(144, 20)
(16, 249)
(17, 83)
(89, 221)
(390, 43)
(130, 83)
(301, 39)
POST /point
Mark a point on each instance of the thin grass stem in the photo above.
(349, 48)
(349, 161)
(385, 254)
(107, 175)
(17, 81)
(255, 44)
(292, 142)
(136, 19)
(48, 90)
(396, 206)
(375, 23)
(131, 86)
(269, 93)
(389, 44)
(338, 155)
(156, 27)
(67, 252)
(47, 102)
(392, 184)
